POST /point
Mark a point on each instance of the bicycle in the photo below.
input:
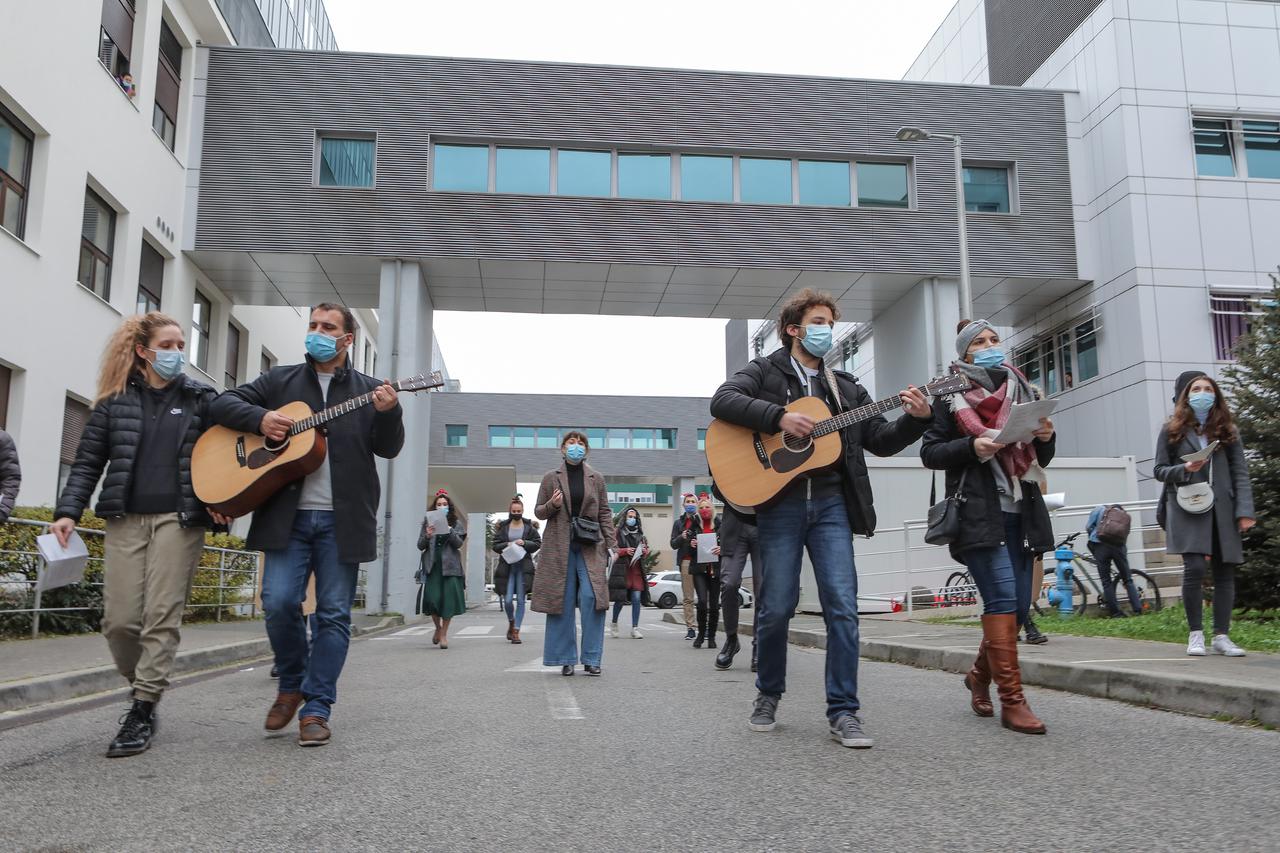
(1148, 593)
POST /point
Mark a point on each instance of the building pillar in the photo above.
(737, 346)
(477, 556)
(404, 345)
(915, 337)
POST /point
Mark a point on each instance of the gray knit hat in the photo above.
(968, 333)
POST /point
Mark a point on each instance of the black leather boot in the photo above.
(702, 627)
(724, 660)
(139, 724)
(713, 623)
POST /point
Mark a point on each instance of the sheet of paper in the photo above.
(1024, 419)
(513, 553)
(1055, 500)
(707, 541)
(639, 554)
(1201, 455)
(62, 566)
(439, 519)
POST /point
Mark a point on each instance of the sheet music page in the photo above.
(1024, 419)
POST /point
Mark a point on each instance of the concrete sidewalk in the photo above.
(52, 669)
(1160, 675)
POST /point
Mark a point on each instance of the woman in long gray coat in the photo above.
(573, 572)
(1201, 417)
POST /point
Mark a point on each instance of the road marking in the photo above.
(534, 665)
(475, 630)
(560, 700)
(414, 631)
(1125, 660)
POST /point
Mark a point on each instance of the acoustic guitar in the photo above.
(752, 469)
(236, 472)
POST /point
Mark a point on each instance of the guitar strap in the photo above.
(835, 389)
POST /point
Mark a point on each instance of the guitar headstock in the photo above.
(421, 382)
(943, 385)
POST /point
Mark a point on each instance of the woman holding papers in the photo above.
(443, 593)
(1199, 450)
(515, 541)
(144, 424)
(705, 568)
(1003, 520)
(626, 577)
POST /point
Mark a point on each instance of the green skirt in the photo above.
(442, 596)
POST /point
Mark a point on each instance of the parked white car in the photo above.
(666, 592)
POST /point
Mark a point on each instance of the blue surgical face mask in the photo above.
(631, 522)
(690, 509)
(575, 452)
(321, 347)
(168, 363)
(1201, 401)
(817, 340)
(989, 357)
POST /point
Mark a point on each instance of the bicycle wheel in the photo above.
(1148, 593)
(959, 590)
(1080, 603)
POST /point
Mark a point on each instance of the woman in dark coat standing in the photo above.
(706, 576)
(510, 580)
(440, 571)
(1003, 520)
(626, 577)
(572, 573)
(1200, 417)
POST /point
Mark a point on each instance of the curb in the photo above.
(25, 693)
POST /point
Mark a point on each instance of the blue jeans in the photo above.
(1002, 573)
(515, 590)
(634, 596)
(312, 548)
(786, 529)
(560, 647)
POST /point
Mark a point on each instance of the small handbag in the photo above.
(944, 515)
(1197, 498)
(584, 531)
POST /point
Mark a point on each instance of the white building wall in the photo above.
(957, 52)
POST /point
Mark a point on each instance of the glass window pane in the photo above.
(1086, 351)
(706, 178)
(883, 185)
(595, 437)
(84, 274)
(346, 162)
(702, 439)
(824, 183)
(524, 437)
(666, 439)
(583, 173)
(644, 176)
(986, 190)
(464, 168)
(1213, 148)
(1028, 361)
(456, 435)
(13, 150)
(1065, 361)
(523, 170)
(1051, 376)
(11, 211)
(499, 436)
(642, 439)
(1262, 148)
(548, 437)
(764, 181)
(617, 439)
(97, 223)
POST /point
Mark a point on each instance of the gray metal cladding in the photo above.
(264, 108)
(1022, 34)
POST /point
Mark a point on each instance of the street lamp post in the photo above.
(916, 134)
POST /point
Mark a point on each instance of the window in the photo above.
(666, 439)
(201, 322)
(15, 172)
(883, 185)
(346, 161)
(702, 439)
(617, 439)
(6, 380)
(164, 115)
(644, 176)
(231, 370)
(1062, 359)
(1213, 148)
(74, 417)
(706, 178)
(97, 238)
(523, 170)
(824, 183)
(642, 439)
(500, 436)
(849, 360)
(368, 357)
(1233, 315)
(764, 181)
(595, 437)
(115, 38)
(583, 172)
(455, 435)
(464, 168)
(1262, 148)
(150, 279)
(548, 438)
(525, 437)
(986, 189)
(266, 361)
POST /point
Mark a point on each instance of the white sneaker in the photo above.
(1222, 645)
(636, 635)
(1195, 644)
(613, 632)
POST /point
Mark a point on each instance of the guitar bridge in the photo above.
(758, 444)
(240, 454)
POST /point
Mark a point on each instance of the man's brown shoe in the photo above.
(282, 711)
(313, 731)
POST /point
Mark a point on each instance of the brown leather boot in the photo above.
(1001, 631)
(282, 711)
(515, 636)
(978, 681)
(313, 731)
(511, 627)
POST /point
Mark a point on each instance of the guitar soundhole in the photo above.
(264, 456)
(795, 443)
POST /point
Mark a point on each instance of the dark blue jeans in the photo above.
(786, 529)
(1002, 573)
(634, 597)
(513, 600)
(312, 549)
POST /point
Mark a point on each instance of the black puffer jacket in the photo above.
(10, 475)
(756, 396)
(687, 547)
(353, 440)
(110, 441)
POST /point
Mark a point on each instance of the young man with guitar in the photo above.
(324, 524)
(821, 510)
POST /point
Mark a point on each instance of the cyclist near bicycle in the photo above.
(1003, 517)
(1106, 552)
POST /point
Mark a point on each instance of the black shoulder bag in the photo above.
(944, 515)
(584, 531)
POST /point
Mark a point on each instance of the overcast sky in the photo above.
(638, 356)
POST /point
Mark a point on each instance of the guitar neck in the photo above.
(854, 416)
(333, 412)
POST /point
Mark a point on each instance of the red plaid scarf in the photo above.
(980, 412)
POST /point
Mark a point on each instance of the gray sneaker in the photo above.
(762, 715)
(847, 729)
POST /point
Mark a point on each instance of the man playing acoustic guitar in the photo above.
(325, 524)
(821, 511)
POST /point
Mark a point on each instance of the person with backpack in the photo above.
(1108, 528)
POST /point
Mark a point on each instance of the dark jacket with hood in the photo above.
(10, 475)
(353, 441)
(110, 441)
(627, 537)
(756, 396)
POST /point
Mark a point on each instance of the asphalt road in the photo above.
(477, 748)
